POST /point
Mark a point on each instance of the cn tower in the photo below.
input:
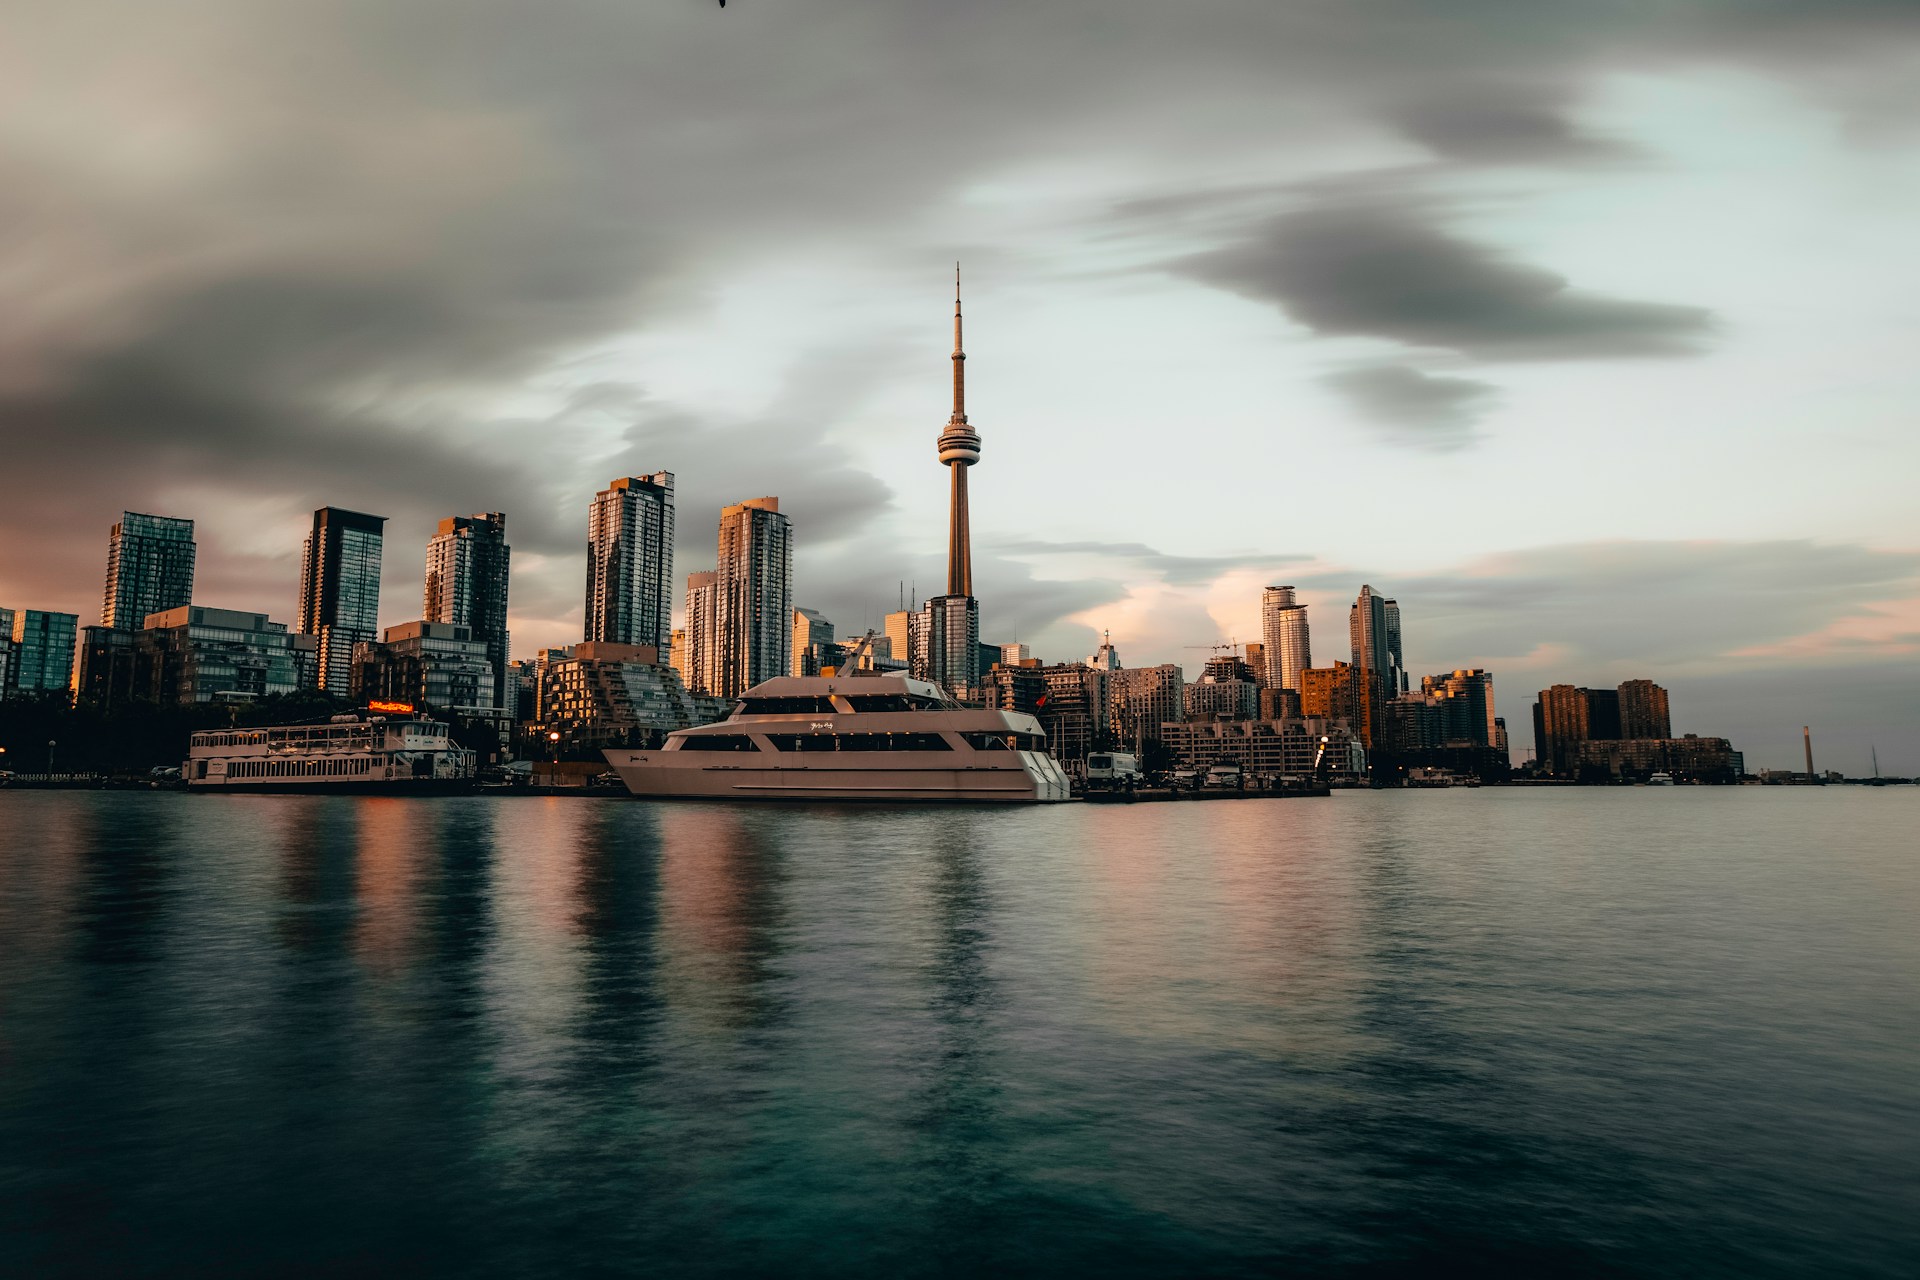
(959, 449)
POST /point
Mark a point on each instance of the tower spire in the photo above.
(959, 356)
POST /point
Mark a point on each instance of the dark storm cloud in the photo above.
(1422, 409)
(284, 254)
(1388, 273)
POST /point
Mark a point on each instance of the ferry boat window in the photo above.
(800, 706)
(893, 742)
(804, 741)
(879, 702)
(988, 741)
(717, 742)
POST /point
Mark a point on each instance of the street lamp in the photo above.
(51, 744)
(554, 738)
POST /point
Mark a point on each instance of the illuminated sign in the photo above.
(392, 708)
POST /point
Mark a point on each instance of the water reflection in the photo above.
(317, 838)
(721, 881)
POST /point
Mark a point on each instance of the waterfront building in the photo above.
(598, 694)
(630, 561)
(1285, 643)
(6, 650)
(950, 629)
(1372, 643)
(1643, 711)
(1141, 700)
(340, 590)
(1603, 713)
(1396, 661)
(1464, 700)
(812, 642)
(442, 665)
(1226, 690)
(1332, 693)
(467, 563)
(1559, 726)
(677, 656)
(1280, 704)
(702, 644)
(42, 646)
(149, 569)
(1077, 713)
(1015, 654)
(753, 599)
(1687, 759)
(1257, 662)
(1016, 687)
(191, 654)
(1269, 748)
(904, 629)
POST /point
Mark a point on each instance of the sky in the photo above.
(1585, 331)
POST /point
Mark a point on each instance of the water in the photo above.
(1585, 1032)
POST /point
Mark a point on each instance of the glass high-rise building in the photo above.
(1286, 651)
(950, 630)
(630, 562)
(701, 643)
(340, 590)
(753, 597)
(42, 657)
(467, 562)
(1396, 657)
(149, 569)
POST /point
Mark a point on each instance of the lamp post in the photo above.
(553, 778)
(51, 744)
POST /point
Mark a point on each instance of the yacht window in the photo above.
(879, 702)
(803, 741)
(893, 742)
(799, 706)
(988, 741)
(717, 742)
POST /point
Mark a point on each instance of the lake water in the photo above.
(1550, 1031)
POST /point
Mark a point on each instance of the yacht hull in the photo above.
(1022, 778)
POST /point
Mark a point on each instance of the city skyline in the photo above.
(1663, 360)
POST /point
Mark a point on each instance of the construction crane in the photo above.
(1231, 644)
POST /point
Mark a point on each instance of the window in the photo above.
(988, 741)
(821, 705)
(717, 742)
(803, 741)
(879, 702)
(893, 742)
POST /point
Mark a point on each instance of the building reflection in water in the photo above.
(317, 840)
(617, 910)
(721, 910)
(396, 839)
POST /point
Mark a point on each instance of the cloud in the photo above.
(1495, 121)
(1387, 272)
(1421, 409)
(1176, 569)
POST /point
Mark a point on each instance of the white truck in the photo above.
(1107, 770)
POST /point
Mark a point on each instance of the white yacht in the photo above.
(839, 738)
(401, 754)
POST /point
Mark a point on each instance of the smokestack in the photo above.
(1806, 738)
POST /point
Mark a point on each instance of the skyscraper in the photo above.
(1560, 725)
(701, 641)
(149, 569)
(42, 647)
(1396, 659)
(1257, 661)
(1372, 661)
(630, 562)
(1283, 626)
(467, 585)
(1643, 710)
(952, 622)
(904, 628)
(812, 635)
(340, 589)
(753, 600)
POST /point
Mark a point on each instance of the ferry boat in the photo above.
(866, 737)
(401, 754)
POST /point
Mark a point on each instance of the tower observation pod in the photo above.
(959, 449)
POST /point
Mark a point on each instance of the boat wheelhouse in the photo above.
(840, 738)
(351, 753)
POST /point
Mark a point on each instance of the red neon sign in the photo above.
(392, 708)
